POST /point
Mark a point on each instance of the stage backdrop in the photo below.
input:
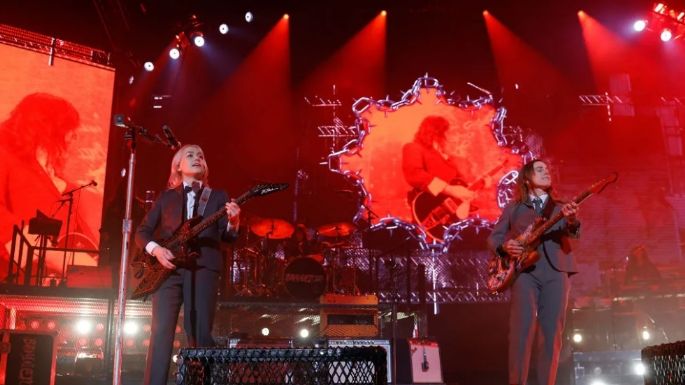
(54, 128)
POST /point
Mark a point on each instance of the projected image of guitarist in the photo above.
(440, 196)
(193, 269)
(539, 294)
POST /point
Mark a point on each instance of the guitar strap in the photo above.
(204, 198)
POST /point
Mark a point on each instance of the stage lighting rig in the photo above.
(666, 21)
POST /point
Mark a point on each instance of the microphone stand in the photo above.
(130, 137)
(70, 201)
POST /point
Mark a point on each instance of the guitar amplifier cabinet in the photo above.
(27, 357)
(349, 321)
(418, 362)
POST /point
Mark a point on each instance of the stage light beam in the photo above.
(666, 35)
(640, 25)
(197, 38)
(577, 338)
(175, 52)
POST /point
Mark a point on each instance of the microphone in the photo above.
(170, 138)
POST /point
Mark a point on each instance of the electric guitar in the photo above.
(502, 271)
(435, 213)
(153, 274)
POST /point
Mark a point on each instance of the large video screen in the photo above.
(412, 152)
(54, 128)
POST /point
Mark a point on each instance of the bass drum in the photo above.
(304, 278)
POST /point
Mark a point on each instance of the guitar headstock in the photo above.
(601, 184)
(262, 189)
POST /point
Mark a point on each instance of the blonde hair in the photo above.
(175, 175)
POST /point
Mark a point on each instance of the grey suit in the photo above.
(194, 286)
(539, 295)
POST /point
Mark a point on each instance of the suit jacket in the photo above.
(556, 245)
(420, 165)
(165, 217)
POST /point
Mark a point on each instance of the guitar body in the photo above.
(502, 271)
(436, 213)
(153, 273)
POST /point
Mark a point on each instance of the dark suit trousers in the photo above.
(197, 292)
(538, 306)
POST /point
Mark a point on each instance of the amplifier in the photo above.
(348, 320)
(385, 344)
(418, 362)
(27, 358)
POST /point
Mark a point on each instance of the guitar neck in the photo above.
(212, 219)
(537, 233)
(481, 180)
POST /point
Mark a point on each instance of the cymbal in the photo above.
(272, 228)
(340, 229)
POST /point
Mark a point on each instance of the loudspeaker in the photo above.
(418, 362)
(27, 358)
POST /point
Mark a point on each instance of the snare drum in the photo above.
(304, 278)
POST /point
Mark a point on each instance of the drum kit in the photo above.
(277, 259)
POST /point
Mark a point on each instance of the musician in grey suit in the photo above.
(194, 284)
(540, 293)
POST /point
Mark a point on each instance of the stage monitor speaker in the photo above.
(418, 362)
(27, 358)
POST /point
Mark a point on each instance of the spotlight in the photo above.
(149, 66)
(681, 16)
(577, 338)
(598, 382)
(640, 25)
(304, 333)
(659, 8)
(249, 17)
(197, 38)
(35, 324)
(384, 13)
(639, 369)
(84, 326)
(175, 52)
(130, 328)
(52, 325)
(131, 79)
(223, 28)
(666, 35)
(265, 331)
(646, 335)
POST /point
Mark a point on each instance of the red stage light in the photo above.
(100, 327)
(286, 16)
(98, 342)
(640, 25)
(177, 344)
(146, 342)
(666, 35)
(130, 343)
(35, 324)
(659, 8)
(681, 16)
(82, 341)
(51, 325)
(384, 13)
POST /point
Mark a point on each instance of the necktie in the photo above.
(537, 203)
